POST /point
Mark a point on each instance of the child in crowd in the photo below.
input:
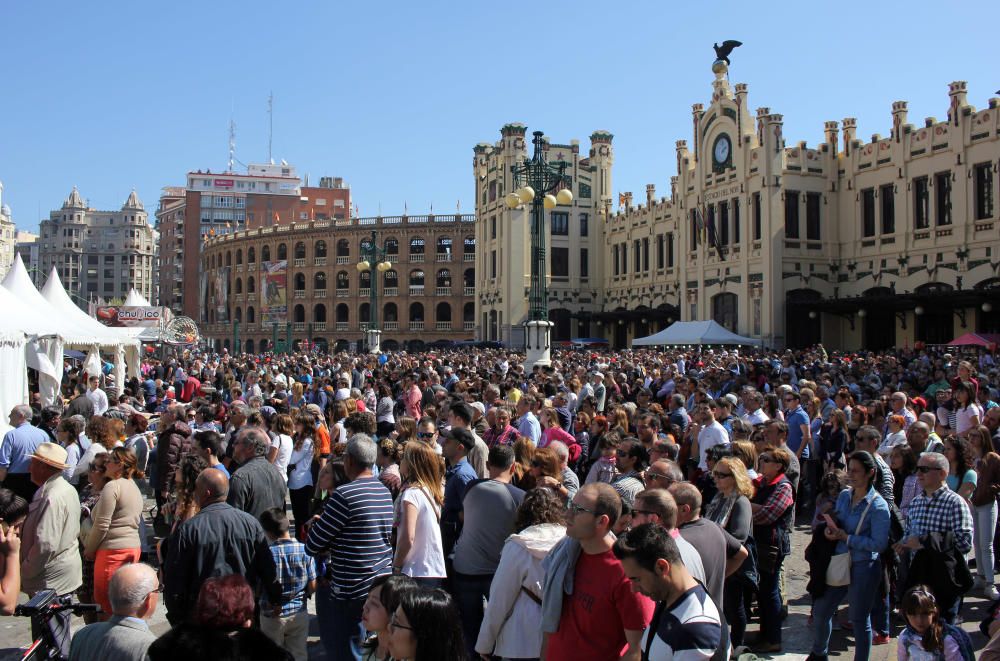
(605, 469)
(287, 622)
(830, 487)
(926, 637)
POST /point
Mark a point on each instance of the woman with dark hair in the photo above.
(68, 435)
(13, 511)
(390, 453)
(382, 602)
(968, 412)
(903, 462)
(962, 477)
(406, 430)
(385, 419)
(89, 496)
(860, 526)
(984, 505)
(426, 627)
(632, 460)
(772, 407)
(135, 429)
(183, 504)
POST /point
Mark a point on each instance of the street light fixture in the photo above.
(537, 180)
(372, 254)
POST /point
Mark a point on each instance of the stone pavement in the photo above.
(15, 632)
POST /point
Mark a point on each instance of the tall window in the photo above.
(493, 264)
(942, 198)
(791, 214)
(694, 229)
(670, 250)
(735, 203)
(584, 263)
(813, 230)
(493, 227)
(584, 224)
(757, 231)
(560, 262)
(921, 203)
(636, 256)
(623, 248)
(983, 181)
(887, 196)
(660, 257)
(724, 223)
(868, 212)
(615, 259)
(560, 223)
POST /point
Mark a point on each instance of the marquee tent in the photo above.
(694, 332)
(986, 340)
(143, 333)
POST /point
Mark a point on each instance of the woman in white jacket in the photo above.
(510, 625)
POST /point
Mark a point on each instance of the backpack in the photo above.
(963, 640)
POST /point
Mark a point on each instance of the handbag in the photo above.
(838, 573)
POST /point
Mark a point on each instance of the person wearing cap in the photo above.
(18, 445)
(455, 445)
(50, 555)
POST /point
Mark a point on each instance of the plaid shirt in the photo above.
(295, 570)
(775, 507)
(944, 511)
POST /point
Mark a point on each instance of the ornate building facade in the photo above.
(856, 243)
(300, 283)
(8, 236)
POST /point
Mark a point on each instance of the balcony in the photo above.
(416, 291)
(343, 293)
(443, 326)
(468, 325)
(343, 259)
(392, 259)
(299, 326)
(390, 291)
(469, 257)
(319, 261)
(299, 261)
(391, 325)
(442, 291)
(342, 325)
(239, 268)
(239, 298)
(251, 298)
(299, 293)
(468, 291)
(365, 292)
(319, 293)
(416, 325)
(319, 326)
(443, 257)
(416, 259)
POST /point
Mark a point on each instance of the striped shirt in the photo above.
(687, 630)
(353, 531)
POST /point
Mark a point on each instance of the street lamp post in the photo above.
(536, 180)
(373, 259)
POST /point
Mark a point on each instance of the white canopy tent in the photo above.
(694, 332)
(24, 326)
(143, 333)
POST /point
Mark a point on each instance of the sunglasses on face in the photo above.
(719, 476)
(767, 460)
(425, 434)
(658, 476)
(927, 469)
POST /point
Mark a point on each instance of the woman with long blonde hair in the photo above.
(419, 548)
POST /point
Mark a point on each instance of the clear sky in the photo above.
(393, 95)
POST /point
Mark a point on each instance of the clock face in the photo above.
(722, 148)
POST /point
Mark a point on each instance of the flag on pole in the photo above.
(713, 236)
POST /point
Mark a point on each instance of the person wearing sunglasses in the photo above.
(134, 591)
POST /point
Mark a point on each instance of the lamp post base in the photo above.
(538, 343)
(374, 339)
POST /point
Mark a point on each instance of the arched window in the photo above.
(299, 314)
(251, 255)
(444, 246)
(251, 316)
(365, 279)
(416, 311)
(319, 281)
(239, 256)
(251, 285)
(239, 286)
(320, 248)
(469, 313)
(416, 246)
(469, 278)
(417, 278)
(391, 246)
(469, 245)
(300, 282)
(343, 282)
(265, 254)
(249, 346)
(239, 315)
(282, 251)
(300, 250)
(390, 279)
(364, 312)
(390, 312)
(443, 278)
(229, 258)
(319, 313)
(343, 248)
(343, 313)
(442, 313)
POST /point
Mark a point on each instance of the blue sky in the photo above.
(392, 96)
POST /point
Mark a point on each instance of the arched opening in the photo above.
(319, 313)
(416, 247)
(803, 318)
(239, 315)
(239, 256)
(390, 313)
(265, 254)
(416, 312)
(282, 251)
(724, 310)
(300, 250)
(300, 282)
(251, 285)
(390, 280)
(249, 346)
(225, 343)
(251, 255)
(299, 314)
(343, 248)
(343, 313)
(263, 344)
(468, 316)
(620, 331)
(444, 248)
(319, 281)
(343, 281)
(390, 345)
(391, 246)
(469, 246)
(562, 329)
(364, 313)
(238, 286)
(341, 345)
(493, 329)
(416, 281)
(251, 315)
(322, 344)
(320, 248)
(229, 258)
(365, 279)
(442, 315)
(469, 278)
(443, 278)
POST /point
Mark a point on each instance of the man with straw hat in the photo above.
(50, 555)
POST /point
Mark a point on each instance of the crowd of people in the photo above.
(460, 505)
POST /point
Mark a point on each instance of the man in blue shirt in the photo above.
(455, 445)
(527, 423)
(18, 444)
(798, 425)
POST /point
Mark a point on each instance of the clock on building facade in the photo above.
(722, 153)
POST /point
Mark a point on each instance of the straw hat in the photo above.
(51, 454)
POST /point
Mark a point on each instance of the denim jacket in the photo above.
(874, 535)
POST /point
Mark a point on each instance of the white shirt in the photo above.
(757, 417)
(710, 436)
(284, 443)
(99, 399)
(426, 557)
(302, 459)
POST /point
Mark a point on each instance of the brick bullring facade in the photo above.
(427, 295)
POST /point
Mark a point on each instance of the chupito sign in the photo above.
(129, 316)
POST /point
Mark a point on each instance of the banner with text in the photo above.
(130, 316)
(274, 292)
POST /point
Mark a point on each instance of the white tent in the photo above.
(24, 325)
(693, 332)
(143, 333)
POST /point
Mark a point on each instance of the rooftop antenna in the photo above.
(270, 124)
(232, 144)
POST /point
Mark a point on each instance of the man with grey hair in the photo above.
(662, 474)
(133, 591)
(570, 483)
(868, 438)
(16, 450)
(352, 534)
(257, 485)
(934, 512)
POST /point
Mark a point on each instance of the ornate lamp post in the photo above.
(373, 259)
(536, 180)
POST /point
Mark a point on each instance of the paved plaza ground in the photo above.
(15, 632)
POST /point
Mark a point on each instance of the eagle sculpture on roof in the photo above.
(722, 52)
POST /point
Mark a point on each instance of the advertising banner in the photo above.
(220, 295)
(130, 316)
(274, 292)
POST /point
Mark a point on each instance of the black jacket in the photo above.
(218, 541)
(818, 555)
(940, 566)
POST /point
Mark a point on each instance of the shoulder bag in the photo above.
(838, 573)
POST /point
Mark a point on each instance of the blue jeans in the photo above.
(471, 593)
(769, 599)
(340, 627)
(862, 595)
